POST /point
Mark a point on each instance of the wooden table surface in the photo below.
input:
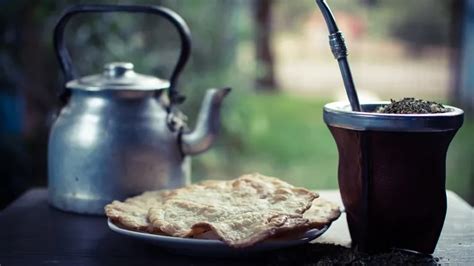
(33, 233)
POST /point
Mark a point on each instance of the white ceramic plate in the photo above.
(205, 247)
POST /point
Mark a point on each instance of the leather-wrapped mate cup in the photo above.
(392, 174)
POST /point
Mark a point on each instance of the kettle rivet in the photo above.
(118, 69)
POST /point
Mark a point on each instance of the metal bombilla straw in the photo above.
(339, 50)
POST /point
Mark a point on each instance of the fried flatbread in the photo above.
(321, 213)
(241, 211)
(133, 213)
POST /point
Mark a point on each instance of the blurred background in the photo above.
(274, 53)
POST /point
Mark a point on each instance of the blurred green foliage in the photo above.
(418, 23)
(280, 135)
(421, 23)
(152, 44)
(275, 134)
(460, 161)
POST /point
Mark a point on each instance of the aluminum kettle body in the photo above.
(120, 133)
(105, 146)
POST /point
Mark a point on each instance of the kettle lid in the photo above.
(118, 76)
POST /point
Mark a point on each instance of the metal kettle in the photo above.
(119, 132)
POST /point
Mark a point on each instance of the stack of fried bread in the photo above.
(240, 212)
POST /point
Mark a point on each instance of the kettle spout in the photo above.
(208, 123)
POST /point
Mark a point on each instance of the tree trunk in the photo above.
(459, 28)
(369, 3)
(38, 88)
(265, 76)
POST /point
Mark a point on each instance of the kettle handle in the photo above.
(65, 59)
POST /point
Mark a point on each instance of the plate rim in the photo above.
(307, 237)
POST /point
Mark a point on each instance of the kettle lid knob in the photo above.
(118, 69)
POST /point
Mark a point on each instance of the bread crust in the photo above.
(240, 212)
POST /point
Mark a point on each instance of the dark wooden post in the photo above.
(462, 58)
(456, 29)
(265, 74)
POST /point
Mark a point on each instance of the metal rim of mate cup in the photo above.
(392, 174)
(340, 114)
